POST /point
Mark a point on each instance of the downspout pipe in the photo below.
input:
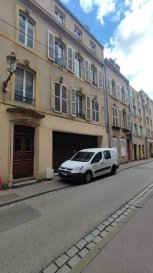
(106, 106)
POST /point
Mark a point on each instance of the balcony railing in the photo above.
(25, 100)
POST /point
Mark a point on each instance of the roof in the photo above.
(95, 150)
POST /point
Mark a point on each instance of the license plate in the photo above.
(64, 173)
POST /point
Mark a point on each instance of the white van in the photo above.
(89, 163)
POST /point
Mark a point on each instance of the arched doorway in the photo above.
(23, 151)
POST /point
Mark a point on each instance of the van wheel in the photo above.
(87, 177)
(113, 171)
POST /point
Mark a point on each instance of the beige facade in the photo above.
(138, 126)
(119, 117)
(147, 105)
(54, 102)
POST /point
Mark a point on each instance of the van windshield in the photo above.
(82, 156)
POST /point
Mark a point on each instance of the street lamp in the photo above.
(12, 63)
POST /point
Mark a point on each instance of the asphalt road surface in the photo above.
(35, 232)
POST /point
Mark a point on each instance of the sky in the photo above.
(125, 29)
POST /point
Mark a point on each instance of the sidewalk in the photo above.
(130, 251)
(14, 195)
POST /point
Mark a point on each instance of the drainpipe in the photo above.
(106, 106)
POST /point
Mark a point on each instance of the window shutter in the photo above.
(100, 78)
(126, 97)
(87, 108)
(90, 72)
(110, 86)
(122, 120)
(51, 46)
(70, 59)
(86, 63)
(118, 91)
(118, 117)
(73, 103)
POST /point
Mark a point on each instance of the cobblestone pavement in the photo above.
(75, 259)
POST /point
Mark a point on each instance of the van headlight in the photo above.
(78, 168)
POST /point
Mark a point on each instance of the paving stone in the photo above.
(109, 228)
(97, 239)
(118, 220)
(81, 244)
(110, 219)
(64, 269)
(132, 207)
(129, 210)
(114, 224)
(73, 261)
(119, 212)
(126, 213)
(101, 227)
(95, 232)
(62, 260)
(114, 215)
(127, 206)
(90, 245)
(122, 216)
(103, 233)
(83, 252)
(89, 238)
(51, 268)
(72, 251)
(106, 223)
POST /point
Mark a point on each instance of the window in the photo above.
(123, 147)
(78, 33)
(93, 73)
(95, 110)
(123, 95)
(114, 143)
(60, 98)
(97, 157)
(24, 86)
(107, 154)
(59, 53)
(77, 105)
(78, 66)
(87, 108)
(26, 31)
(92, 47)
(70, 59)
(60, 16)
(114, 116)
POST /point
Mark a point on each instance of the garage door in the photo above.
(66, 144)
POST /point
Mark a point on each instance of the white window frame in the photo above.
(93, 47)
(93, 75)
(60, 16)
(114, 116)
(78, 33)
(26, 35)
(88, 108)
(24, 99)
(78, 66)
(95, 111)
(76, 111)
(100, 78)
(59, 58)
(61, 99)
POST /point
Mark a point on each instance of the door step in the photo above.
(21, 182)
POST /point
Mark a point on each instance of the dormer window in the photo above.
(78, 33)
(59, 16)
(92, 47)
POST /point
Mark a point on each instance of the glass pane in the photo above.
(64, 92)
(57, 104)
(28, 144)
(30, 34)
(22, 24)
(57, 89)
(29, 85)
(19, 84)
(64, 106)
(17, 144)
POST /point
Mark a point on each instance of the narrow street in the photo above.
(35, 232)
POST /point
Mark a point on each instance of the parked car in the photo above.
(89, 163)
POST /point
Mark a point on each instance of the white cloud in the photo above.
(132, 45)
(104, 7)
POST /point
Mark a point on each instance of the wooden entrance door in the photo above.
(23, 154)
